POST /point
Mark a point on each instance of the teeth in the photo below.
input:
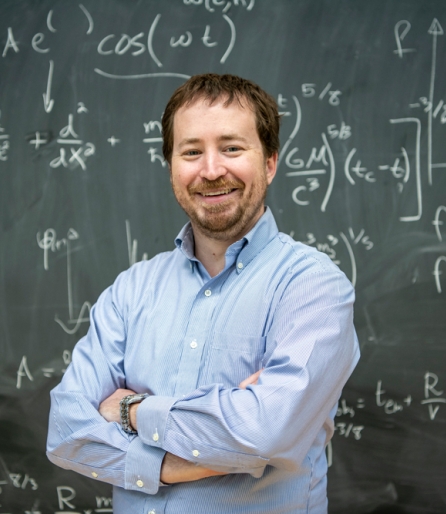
(225, 192)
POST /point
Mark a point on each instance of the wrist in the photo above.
(132, 415)
(125, 410)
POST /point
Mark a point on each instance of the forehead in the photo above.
(215, 116)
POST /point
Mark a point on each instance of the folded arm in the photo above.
(79, 438)
(174, 469)
(236, 430)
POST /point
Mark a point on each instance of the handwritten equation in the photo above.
(64, 496)
(325, 157)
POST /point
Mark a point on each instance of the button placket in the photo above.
(194, 341)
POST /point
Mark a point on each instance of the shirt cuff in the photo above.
(151, 418)
(143, 467)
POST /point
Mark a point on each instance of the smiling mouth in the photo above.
(217, 193)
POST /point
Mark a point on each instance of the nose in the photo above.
(212, 165)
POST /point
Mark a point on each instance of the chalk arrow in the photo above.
(48, 103)
(435, 28)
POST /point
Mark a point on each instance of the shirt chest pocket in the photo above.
(231, 358)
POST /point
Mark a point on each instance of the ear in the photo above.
(271, 167)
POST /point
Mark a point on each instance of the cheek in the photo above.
(181, 178)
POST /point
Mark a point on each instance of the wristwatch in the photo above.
(124, 411)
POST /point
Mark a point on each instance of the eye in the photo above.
(191, 153)
(232, 149)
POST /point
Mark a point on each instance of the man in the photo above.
(242, 337)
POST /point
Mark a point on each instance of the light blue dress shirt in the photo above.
(167, 328)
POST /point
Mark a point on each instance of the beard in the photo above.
(226, 220)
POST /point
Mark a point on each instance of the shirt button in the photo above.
(195, 453)
(139, 483)
(194, 344)
(208, 292)
(94, 474)
(151, 512)
(240, 265)
(155, 437)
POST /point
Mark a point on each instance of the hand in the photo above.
(252, 380)
(109, 409)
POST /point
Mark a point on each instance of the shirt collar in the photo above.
(247, 247)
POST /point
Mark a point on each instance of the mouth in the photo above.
(220, 196)
(217, 193)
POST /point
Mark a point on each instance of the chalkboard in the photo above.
(85, 194)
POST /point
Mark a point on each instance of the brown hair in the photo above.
(212, 87)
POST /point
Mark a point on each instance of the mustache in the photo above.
(212, 185)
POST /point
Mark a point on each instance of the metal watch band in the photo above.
(125, 410)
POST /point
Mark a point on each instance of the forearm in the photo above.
(175, 469)
(81, 440)
(274, 422)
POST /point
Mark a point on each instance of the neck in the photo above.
(210, 252)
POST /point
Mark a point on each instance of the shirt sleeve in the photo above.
(79, 438)
(275, 422)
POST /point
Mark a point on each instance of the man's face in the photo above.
(219, 172)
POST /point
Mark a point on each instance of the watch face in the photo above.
(137, 398)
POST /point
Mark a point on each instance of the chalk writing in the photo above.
(437, 222)
(49, 242)
(10, 43)
(154, 152)
(89, 19)
(389, 405)
(330, 247)
(48, 103)
(39, 139)
(433, 398)
(401, 30)
(134, 45)
(23, 481)
(323, 155)
(4, 143)
(67, 494)
(437, 272)
(79, 155)
(48, 372)
(347, 429)
(38, 38)
(113, 141)
(358, 170)
(22, 372)
(343, 132)
(224, 4)
(435, 30)
(132, 246)
(310, 90)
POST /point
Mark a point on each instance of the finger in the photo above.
(251, 380)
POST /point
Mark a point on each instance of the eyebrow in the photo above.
(224, 137)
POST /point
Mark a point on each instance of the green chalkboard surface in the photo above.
(85, 193)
